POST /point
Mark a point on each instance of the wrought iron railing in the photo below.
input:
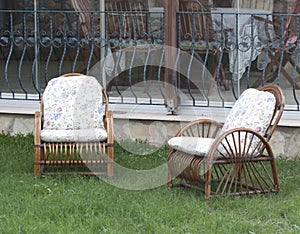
(126, 51)
(242, 49)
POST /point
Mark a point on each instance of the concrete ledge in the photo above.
(25, 107)
(290, 118)
(154, 123)
(187, 113)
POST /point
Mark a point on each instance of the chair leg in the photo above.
(110, 162)
(208, 183)
(37, 159)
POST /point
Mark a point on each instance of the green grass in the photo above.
(75, 204)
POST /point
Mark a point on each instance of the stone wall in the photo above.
(285, 141)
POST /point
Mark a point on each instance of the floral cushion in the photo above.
(72, 103)
(76, 135)
(254, 110)
(191, 145)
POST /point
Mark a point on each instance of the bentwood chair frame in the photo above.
(84, 158)
(236, 171)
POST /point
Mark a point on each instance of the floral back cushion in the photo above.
(254, 109)
(72, 103)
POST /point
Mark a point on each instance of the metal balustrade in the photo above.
(129, 58)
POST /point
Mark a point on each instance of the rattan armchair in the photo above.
(73, 131)
(235, 159)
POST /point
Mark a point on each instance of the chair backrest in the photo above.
(254, 4)
(126, 18)
(72, 102)
(259, 110)
(195, 20)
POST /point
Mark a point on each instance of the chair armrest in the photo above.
(243, 143)
(207, 128)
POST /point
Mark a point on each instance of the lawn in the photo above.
(77, 204)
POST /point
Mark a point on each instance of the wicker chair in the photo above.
(73, 131)
(235, 159)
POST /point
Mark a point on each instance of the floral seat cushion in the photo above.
(73, 110)
(253, 109)
(191, 145)
(76, 135)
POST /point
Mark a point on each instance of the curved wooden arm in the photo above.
(105, 96)
(237, 159)
(201, 128)
(239, 143)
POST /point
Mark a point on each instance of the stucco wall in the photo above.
(285, 141)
